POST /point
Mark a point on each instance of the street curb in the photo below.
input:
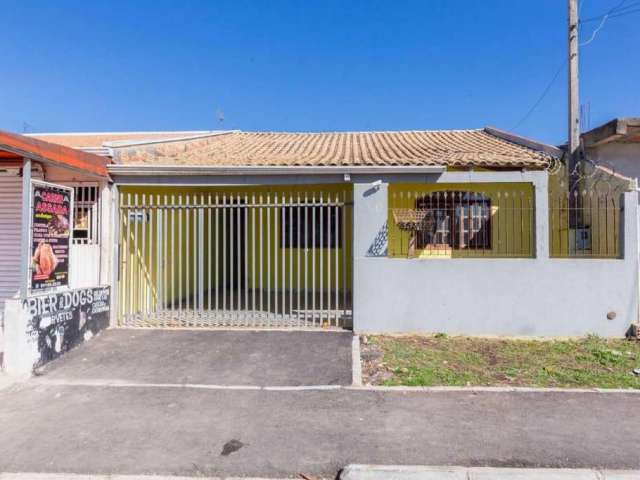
(356, 364)
(415, 472)
(435, 389)
(79, 476)
(111, 383)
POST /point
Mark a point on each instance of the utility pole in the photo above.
(574, 94)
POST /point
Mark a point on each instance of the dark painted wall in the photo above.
(60, 321)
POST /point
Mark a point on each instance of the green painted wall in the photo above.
(174, 229)
(512, 218)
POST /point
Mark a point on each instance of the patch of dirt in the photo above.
(374, 370)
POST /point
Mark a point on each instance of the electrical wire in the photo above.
(615, 12)
(542, 96)
(619, 10)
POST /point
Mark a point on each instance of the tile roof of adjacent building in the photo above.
(13, 145)
(486, 147)
(90, 140)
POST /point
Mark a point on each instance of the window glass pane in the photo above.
(331, 238)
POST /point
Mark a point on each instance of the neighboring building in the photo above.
(615, 146)
(87, 175)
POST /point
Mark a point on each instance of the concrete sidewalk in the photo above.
(269, 433)
(401, 472)
(376, 472)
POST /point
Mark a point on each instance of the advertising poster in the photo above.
(58, 322)
(50, 235)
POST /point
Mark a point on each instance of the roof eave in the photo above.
(190, 170)
(550, 150)
(616, 129)
(52, 154)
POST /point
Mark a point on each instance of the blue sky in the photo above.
(307, 65)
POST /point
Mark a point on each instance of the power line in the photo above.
(615, 12)
(605, 17)
(542, 96)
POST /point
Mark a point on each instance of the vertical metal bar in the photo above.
(143, 269)
(275, 256)
(522, 249)
(233, 245)
(514, 224)
(153, 266)
(152, 287)
(201, 257)
(180, 255)
(195, 254)
(217, 266)
(246, 257)
(159, 260)
(313, 259)
(337, 265)
(298, 252)
(306, 257)
(135, 283)
(163, 236)
(96, 215)
(576, 222)
(209, 257)
(329, 249)
(193, 213)
(568, 230)
(606, 226)
(345, 268)
(595, 232)
(261, 284)
(268, 259)
(237, 240)
(171, 278)
(321, 266)
(283, 253)
(125, 258)
(187, 258)
(253, 258)
(291, 250)
(224, 259)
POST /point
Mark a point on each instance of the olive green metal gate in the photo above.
(235, 259)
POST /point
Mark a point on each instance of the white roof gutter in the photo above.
(180, 170)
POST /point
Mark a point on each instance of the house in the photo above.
(615, 147)
(450, 231)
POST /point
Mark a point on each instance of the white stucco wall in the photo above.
(538, 296)
(624, 158)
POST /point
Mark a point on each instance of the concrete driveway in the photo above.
(257, 358)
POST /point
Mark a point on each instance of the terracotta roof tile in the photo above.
(98, 139)
(453, 148)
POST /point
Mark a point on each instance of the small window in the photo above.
(85, 215)
(453, 219)
(319, 230)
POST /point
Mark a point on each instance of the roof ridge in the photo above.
(150, 141)
(333, 132)
(120, 132)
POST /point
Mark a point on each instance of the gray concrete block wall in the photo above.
(538, 296)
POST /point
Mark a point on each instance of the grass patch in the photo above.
(464, 361)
